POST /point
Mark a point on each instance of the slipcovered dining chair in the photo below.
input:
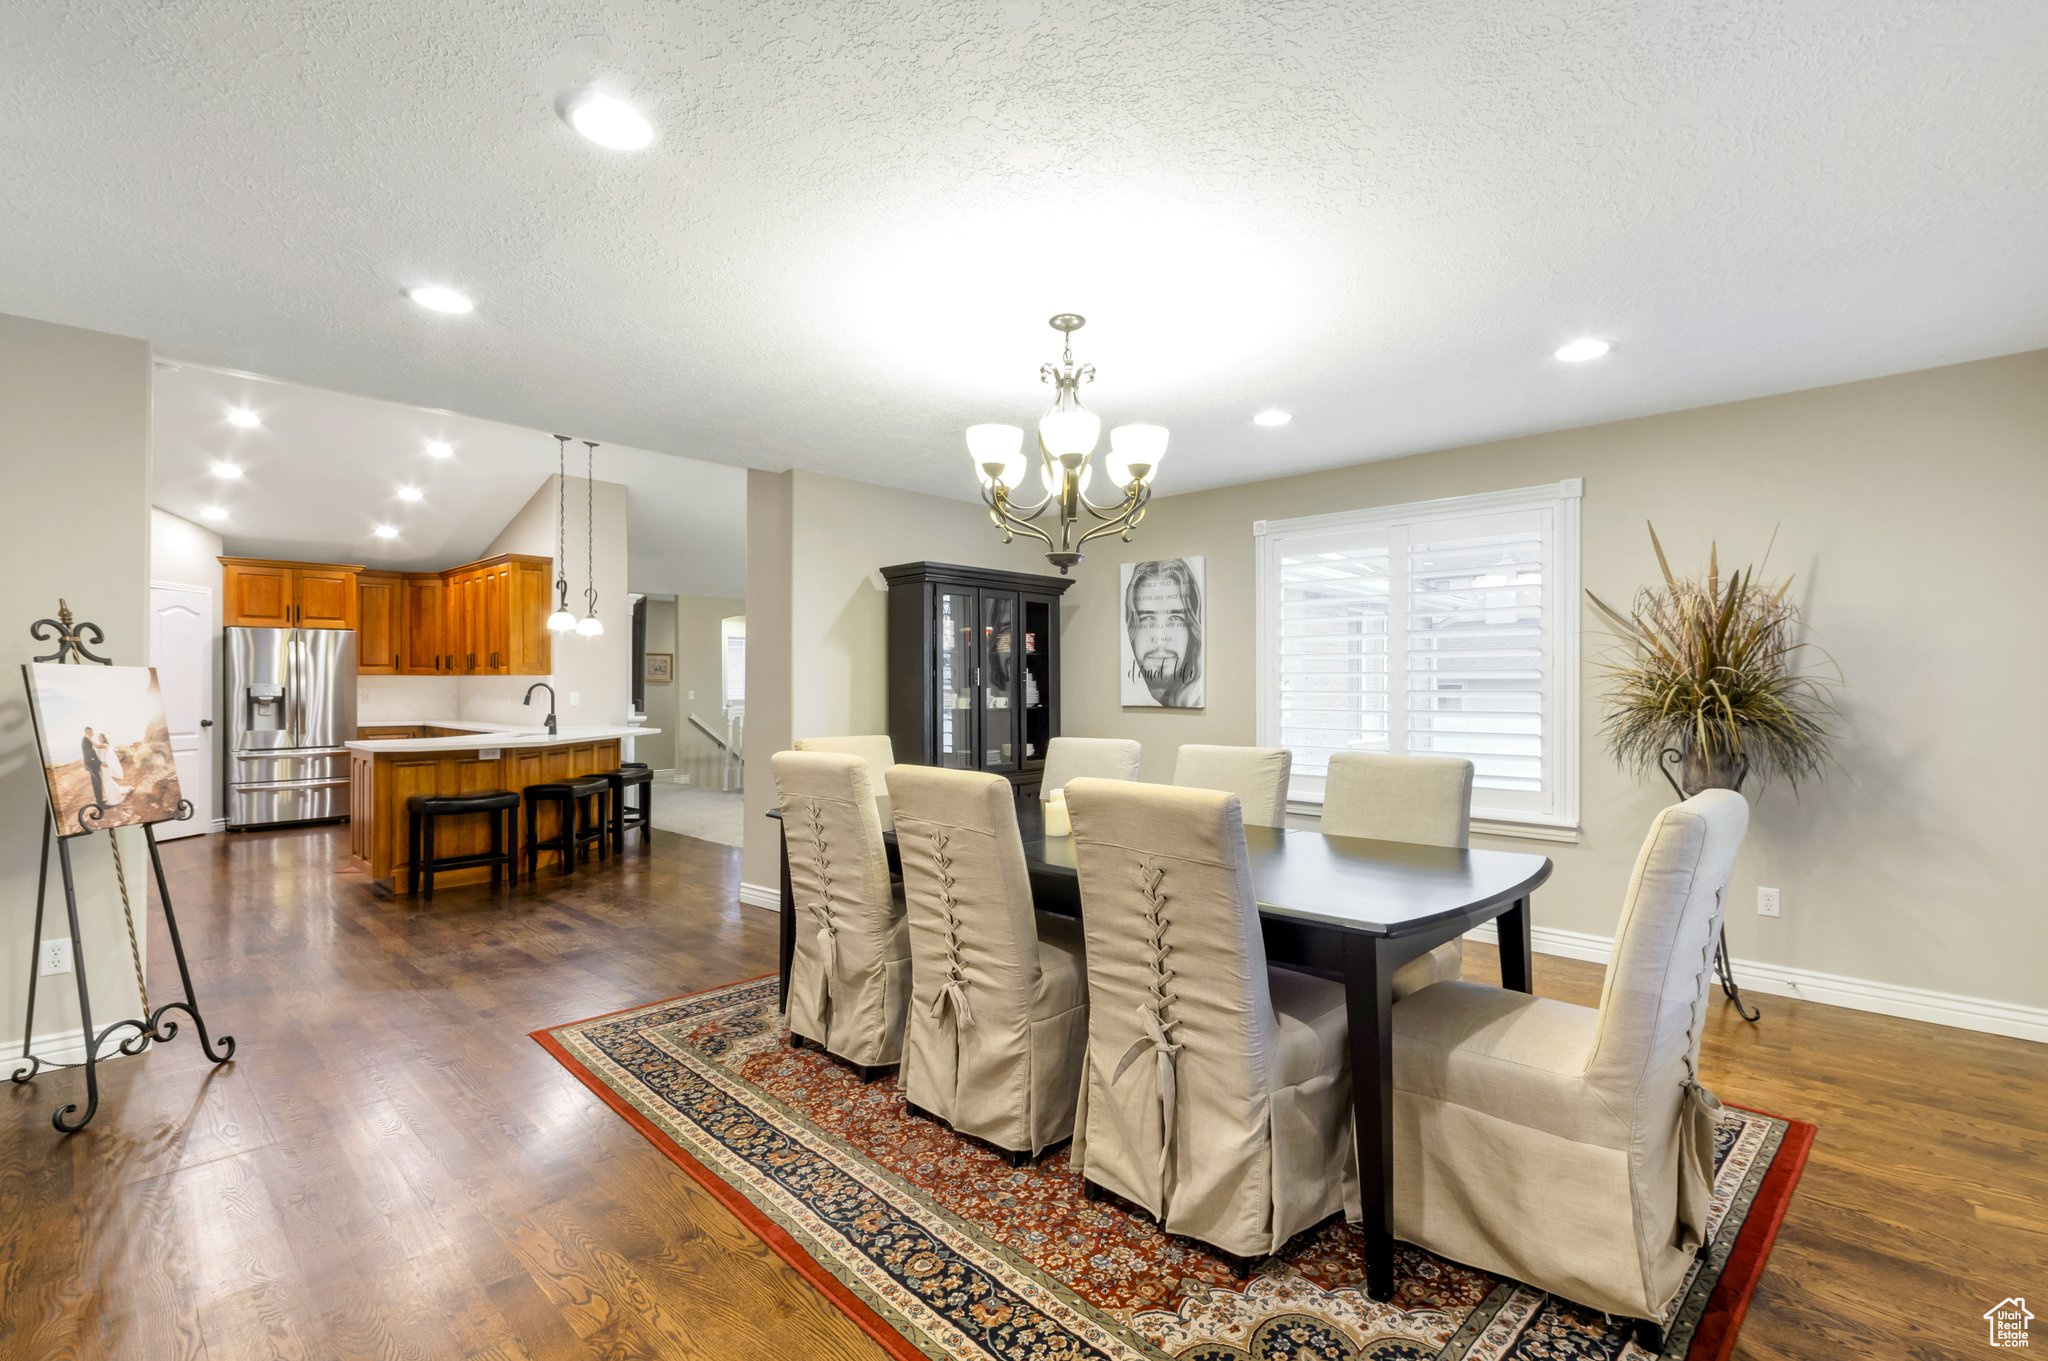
(1217, 1094)
(878, 751)
(998, 1018)
(1422, 800)
(1257, 775)
(1569, 1147)
(850, 980)
(1104, 758)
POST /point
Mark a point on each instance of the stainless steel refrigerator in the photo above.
(291, 703)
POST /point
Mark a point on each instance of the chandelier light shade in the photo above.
(1067, 436)
(561, 621)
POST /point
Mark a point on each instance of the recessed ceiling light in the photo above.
(213, 512)
(410, 493)
(439, 448)
(439, 299)
(607, 121)
(1270, 419)
(226, 470)
(244, 417)
(1579, 351)
(386, 531)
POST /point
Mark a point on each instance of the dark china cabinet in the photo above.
(974, 667)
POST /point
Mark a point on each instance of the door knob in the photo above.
(205, 722)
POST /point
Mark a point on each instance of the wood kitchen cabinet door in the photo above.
(380, 624)
(255, 595)
(465, 606)
(532, 646)
(423, 649)
(324, 597)
(494, 656)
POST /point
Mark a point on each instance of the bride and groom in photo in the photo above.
(103, 764)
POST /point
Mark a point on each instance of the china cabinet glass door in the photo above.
(957, 638)
(999, 665)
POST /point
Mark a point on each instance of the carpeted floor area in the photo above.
(707, 814)
(939, 1248)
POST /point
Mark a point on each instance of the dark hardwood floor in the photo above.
(390, 1168)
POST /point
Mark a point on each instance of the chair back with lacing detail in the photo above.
(973, 933)
(839, 879)
(1181, 1031)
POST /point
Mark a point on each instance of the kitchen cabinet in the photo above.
(485, 618)
(260, 593)
(380, 623)
(422, 647)
(974, 676)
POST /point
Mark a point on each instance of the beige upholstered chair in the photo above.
(1257, 775)
(1423, 800)
(1102, 758)
(850, 980)
(1218, 1090)
(878, 752)
(1566, 1147)
(999, 999)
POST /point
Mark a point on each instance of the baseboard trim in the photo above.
(220, 824)
(668, 775)
(754, 895)
(1981, 1014)
(62, 1046)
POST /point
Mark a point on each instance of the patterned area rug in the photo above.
(939, 1248)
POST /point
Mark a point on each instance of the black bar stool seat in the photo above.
(424, 811)
(583, 807)
(625, 816)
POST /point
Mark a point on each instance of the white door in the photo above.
(181, 646)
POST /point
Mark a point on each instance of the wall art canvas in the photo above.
(106, 748)
(659, 668)
(1163, 662)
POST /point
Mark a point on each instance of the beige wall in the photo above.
(659, 751)
(1910, 508)
(598, 670)
(74, 440)
(769, 568)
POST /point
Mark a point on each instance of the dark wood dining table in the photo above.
(1344, 908)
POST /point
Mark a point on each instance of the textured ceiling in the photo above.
(843, 246)
(324, 468)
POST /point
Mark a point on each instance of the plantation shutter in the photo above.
(1435, 629)
(735, 668)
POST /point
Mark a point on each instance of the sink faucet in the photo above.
(543, 685)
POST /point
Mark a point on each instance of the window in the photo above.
(1443, 628)
(732, 645)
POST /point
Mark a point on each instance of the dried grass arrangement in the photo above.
(1713, 671)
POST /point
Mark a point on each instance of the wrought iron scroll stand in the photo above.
(156, 1025)
(1724, 968)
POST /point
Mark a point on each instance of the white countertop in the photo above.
(520, 736)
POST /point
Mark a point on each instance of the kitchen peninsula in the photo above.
(467, 758)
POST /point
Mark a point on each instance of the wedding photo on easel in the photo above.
(107, 763)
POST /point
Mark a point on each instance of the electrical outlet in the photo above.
(575, 698)
(693, 694)
(55, 957)
(1767, 902)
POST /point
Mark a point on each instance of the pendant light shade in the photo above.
(590, 626)
(561, 621)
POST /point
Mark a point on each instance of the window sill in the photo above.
(1494, 827)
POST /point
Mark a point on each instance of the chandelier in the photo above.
(1066, 447)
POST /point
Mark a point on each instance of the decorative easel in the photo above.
(1724, 968)
(154, 1025)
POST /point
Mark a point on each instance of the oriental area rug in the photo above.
(938, 1248)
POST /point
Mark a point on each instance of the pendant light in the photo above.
(561, 621)
(590, 626)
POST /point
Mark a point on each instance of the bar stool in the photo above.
(423, 811)
(582, 807)
(625, 817)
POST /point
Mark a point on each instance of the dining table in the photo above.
(1343, 908)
